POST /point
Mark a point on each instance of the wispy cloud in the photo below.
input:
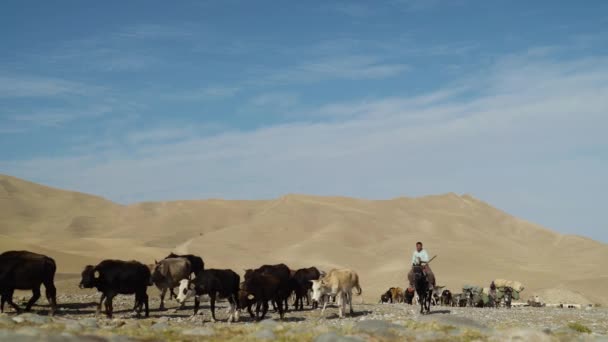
(205, 93)
(153, 31)
(160, 135)
(351, 9)
(31, 86)
(276, 100)
(525, 118)
(56, 117)
(345, 68)
(419, 5)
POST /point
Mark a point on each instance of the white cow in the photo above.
(339, 283)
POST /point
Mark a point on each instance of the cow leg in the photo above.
(324, 305)
(103, 296)
(257, 310)
(163, 292)
(212, 296)
(340, 299)
(281, 311)
(197, 303)
(233, 309)
(350, 302)
(109, 305)
(2, 301)
(295, 303)
(145, 299)
(249, 305)
(51, 295)
(8, 297)
(35, 297)
(172, 294)
(264, 309)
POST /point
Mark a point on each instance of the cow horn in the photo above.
(96, 274)
(250, 296)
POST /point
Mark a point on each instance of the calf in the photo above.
(338, 282)
(408, 296)
(460, 300)
(113, 277)
(167, 274)
(385, 298)
(397, 295)
(261, 288)
(23, 270)
(196, 264)
(302, 283)
(216, 284)
(393, 295)
(446, 298)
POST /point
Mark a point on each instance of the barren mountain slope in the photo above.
(474, 241)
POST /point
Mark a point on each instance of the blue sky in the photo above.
(141, 100)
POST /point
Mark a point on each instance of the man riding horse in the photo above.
(419, 257)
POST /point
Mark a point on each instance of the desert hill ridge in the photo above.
(474, 241)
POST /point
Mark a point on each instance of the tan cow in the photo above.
(339, 283)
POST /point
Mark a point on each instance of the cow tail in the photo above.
(359, 290)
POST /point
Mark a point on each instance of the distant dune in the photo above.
(474, 242)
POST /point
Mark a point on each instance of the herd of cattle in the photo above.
(23, 270)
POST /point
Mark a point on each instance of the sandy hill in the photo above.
(474, 241)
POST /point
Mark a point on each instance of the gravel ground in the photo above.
(76, 320)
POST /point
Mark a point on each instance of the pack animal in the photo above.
(423, 288)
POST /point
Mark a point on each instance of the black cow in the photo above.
(302, 284)
(113, 277)
(196, 264)
(215, 283)
(23, 270)
(261, 288)
(283, 273)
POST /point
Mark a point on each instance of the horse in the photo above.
(423, 289)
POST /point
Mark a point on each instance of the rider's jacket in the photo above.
(418, 257)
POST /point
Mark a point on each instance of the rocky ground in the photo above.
(77, 321)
